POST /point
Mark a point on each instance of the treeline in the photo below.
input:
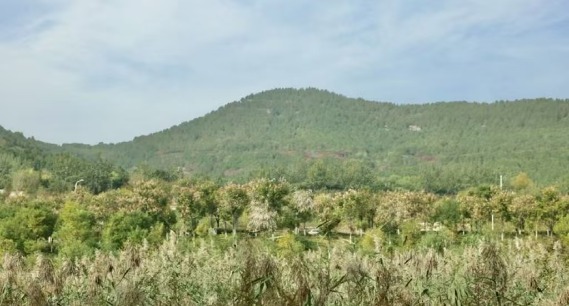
(144, 211)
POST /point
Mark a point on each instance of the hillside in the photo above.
(291, 130)
(28, 165)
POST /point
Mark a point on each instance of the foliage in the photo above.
(120, 246)
(449, 213)
(76, 233)
(289, 244)
(268, 197)
(321, 140)
(124, 227)
(233, 200)
(522, 182)
(26, 180)
(27, 228)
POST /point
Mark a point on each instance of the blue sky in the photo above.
(107, 71)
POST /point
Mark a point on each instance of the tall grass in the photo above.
(215, 272)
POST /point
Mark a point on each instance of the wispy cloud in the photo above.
(91, 71)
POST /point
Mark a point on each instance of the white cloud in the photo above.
(118, 69)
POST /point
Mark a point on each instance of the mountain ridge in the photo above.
(283, 127)
(303, 133)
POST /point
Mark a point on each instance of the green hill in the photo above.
(322, 138)
(29, 165)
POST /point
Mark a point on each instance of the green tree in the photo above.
(8, 164)
(317, 175)
(233, 200)
(327, 211)
(28, 227)
(356, 206)
(550, 207)
(449, 213)
(76, 234)
(187, 204)
(523, 209)
(133, 227)
(97, 176)
(500, 204)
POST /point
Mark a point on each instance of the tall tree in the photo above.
(233, 200)
(76, 233)
(267, 199)
(302, 202)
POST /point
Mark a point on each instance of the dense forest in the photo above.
(308, 135)
(29, 166)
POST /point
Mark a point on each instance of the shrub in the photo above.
(437, 240)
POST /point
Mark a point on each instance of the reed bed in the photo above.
(216, 271)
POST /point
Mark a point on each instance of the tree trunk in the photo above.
(235, 217)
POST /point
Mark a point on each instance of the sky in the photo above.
(90, 71)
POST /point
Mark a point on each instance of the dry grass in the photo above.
(184, 272)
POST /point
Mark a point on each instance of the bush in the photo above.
(372, 241)
(204, 227)
(288, 244)
(437, 240)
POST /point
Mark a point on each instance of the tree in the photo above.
(150, 196)
(449, 213)
(97, 176)
(395, 208)
(522, 182)
(267, 199)
(476, 203)
(500, 205)
(206, 190)
(76, 233)
(303, 205)
(327, 211)
(233, 200)
(187, 204)
(26, 180)
(550, 207)
(355, 206)
(122, 227)
(317, 175)
(523, 208)
(8, 165)
(356, 174)
(28, 227)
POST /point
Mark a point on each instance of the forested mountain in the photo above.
(16, 152)
(28, 165)
(326, 140)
